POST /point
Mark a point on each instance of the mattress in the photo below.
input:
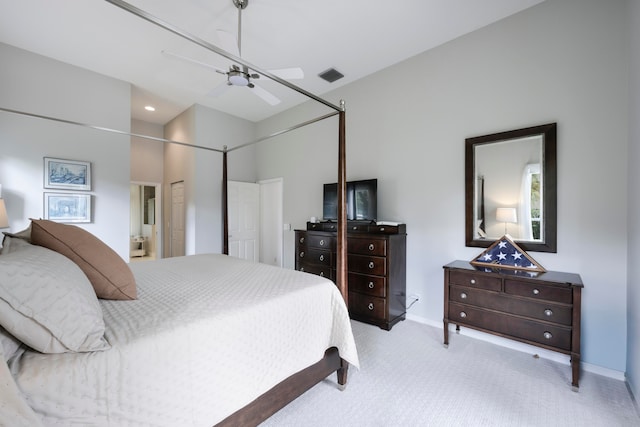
(206, 336)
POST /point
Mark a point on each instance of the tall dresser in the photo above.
(540, 309)
(376, 267)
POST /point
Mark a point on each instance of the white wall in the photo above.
(633, 283)
(39, 85)
(147, 155)
(561, 61)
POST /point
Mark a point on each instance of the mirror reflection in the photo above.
(511, 188)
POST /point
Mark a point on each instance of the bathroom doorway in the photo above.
(145, 222)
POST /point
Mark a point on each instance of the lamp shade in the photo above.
(506, 215)
(4, 219)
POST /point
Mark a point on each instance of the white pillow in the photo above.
(48, 303)
(9, 345)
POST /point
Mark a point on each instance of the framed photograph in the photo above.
(67, 174)
(67, 207)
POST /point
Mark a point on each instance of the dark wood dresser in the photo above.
(541, 309)
(376, 265)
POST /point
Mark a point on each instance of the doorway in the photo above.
(145, 213)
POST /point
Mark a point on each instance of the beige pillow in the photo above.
(47, 302)
(110, 276)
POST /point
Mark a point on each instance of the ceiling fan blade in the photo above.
(289, 73)
(228, 42)
(194, 61)
(218, 90)
(268, 97)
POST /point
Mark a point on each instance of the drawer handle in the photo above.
(548, 312)
(381, 228)
(355, 227)
(547, 335)
(536, 291)
(322, 242)
(370, 306)
(301, 268)
(472, 281)
(463, 314)
(322, 274)
(371, 264)
(371, 247)
(302, 240)
(302, 254)
(463, 295)
(321, 257)
(371, 285)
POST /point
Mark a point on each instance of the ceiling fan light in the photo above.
(237, 79)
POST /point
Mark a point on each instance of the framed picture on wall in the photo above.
(67, 207)
(67, 174)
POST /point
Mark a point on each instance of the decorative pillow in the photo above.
(110, 276)
(47, 302)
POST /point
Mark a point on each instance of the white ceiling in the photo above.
(357, 37)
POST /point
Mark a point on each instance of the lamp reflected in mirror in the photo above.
(506, 215)
(4, 218)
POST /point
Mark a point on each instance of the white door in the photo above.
(177, 223)
(243, 200)
(271, 222)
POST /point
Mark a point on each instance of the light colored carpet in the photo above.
(408, 378)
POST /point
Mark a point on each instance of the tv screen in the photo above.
(362, 200)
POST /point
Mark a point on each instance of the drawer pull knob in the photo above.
(321, 257)
(547, 335)
(536, 291)
(301, 268)
(370, 306)
(302, 240)
(322, 274)
(463, 314)
(355, 227)
(371, 247)
(371, 264)
(473, 281)
(548, 312)
(463, 295)
(302, 254)
(371, 285)
(322, 242)
(381, 228)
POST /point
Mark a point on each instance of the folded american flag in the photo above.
(504, 253)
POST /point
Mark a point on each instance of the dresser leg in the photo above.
(446, 334)
(575, 371)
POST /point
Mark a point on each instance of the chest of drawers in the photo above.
(376, 269)
(543, 310)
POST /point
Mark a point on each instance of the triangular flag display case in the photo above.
(505, 253)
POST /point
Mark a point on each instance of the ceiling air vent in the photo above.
(331, 75)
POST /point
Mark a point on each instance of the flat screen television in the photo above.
(362, 200)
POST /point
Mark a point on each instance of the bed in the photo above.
(210, 340)
(205, 338)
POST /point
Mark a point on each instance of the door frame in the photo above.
(157, 213)
(272, 219)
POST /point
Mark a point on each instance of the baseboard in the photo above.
(525, 348)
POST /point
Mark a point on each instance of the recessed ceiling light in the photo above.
(149, 108)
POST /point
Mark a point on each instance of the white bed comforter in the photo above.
(207, 335)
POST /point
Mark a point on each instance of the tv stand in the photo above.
(376, 266)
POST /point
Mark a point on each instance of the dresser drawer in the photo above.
(543, 333)
(367, 306)
(320, 241)
(540, 310)
(320, 270)
(377, 247)
(315, 256)
(370, 285)
(367, 265)
(476, 280)
(538, 291)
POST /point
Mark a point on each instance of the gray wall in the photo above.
(36, 84)
(562, 61)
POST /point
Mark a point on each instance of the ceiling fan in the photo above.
(239, 75)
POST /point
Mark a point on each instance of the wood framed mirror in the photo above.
(510, 188)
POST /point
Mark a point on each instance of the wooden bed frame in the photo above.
(290, 388)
